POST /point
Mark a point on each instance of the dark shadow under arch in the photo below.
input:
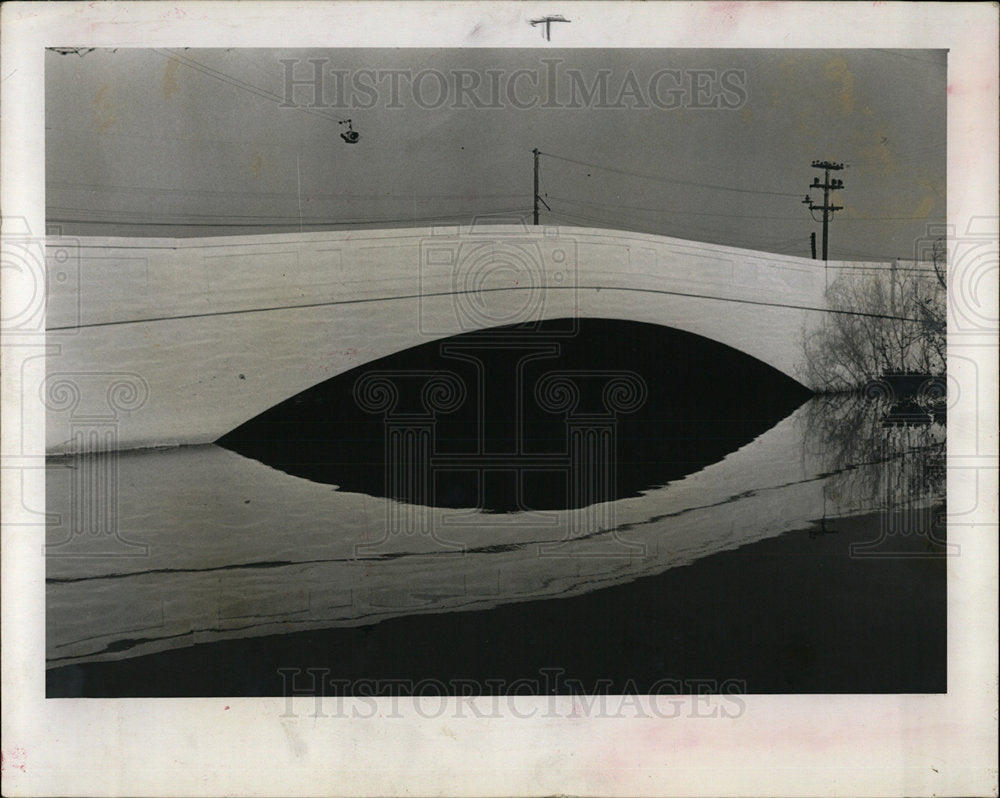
(702, 400)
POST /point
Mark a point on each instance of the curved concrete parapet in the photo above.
(178, 341)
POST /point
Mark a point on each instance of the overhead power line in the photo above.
(115, 133)
(287, 221)
(194, 192)
(668, 180)
(740, 240)
(908, 57)
(649, 209)
(242, 85)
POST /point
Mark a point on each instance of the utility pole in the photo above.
(827, 185)
(298, 182)
(538, 197)
(812, 243)
(535, 151)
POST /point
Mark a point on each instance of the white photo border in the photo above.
(781, 745)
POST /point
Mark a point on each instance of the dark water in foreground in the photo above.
(787, 615)
(744, 541)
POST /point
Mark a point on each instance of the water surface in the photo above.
(746, 537)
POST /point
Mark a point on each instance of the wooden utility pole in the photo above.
(535, 151)
(827, 185)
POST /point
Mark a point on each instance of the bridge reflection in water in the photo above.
(235, 549)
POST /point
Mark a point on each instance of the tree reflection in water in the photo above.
(884, 458)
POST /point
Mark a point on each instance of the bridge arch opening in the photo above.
(555, 415)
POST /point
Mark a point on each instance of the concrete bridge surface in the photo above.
(161, 342)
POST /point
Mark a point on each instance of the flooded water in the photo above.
(630, 507)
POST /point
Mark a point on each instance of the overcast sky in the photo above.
(711, 145)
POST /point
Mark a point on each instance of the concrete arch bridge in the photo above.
(161, 342)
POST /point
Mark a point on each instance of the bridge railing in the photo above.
(96, 281)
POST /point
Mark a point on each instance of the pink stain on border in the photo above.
(15, 759)
(729, 9)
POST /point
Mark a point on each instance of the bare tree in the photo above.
(889, 320)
